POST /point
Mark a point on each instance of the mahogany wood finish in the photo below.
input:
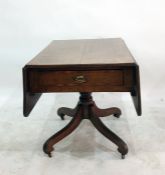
(86, 109)
(85, 66)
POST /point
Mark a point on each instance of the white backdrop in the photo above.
(28, 26)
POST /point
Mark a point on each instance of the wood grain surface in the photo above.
(84, 51)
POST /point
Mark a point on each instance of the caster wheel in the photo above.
(62, 116)
(117, 115)
(49, 154)
(123, 156)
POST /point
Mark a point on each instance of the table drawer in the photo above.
(75, 81)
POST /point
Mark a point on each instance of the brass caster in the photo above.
(123, 156)
(117, 115)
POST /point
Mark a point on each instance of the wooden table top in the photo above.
(84, 51)
(86, 65)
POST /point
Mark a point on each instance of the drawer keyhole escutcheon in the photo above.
(80, 79)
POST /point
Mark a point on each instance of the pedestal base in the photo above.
(86, 109)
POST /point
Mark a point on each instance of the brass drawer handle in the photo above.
(80, 79)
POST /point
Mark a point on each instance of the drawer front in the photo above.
(75, 81)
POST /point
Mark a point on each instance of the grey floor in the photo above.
(85, 151)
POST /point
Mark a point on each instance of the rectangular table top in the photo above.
(84, 51)
(105, 64)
